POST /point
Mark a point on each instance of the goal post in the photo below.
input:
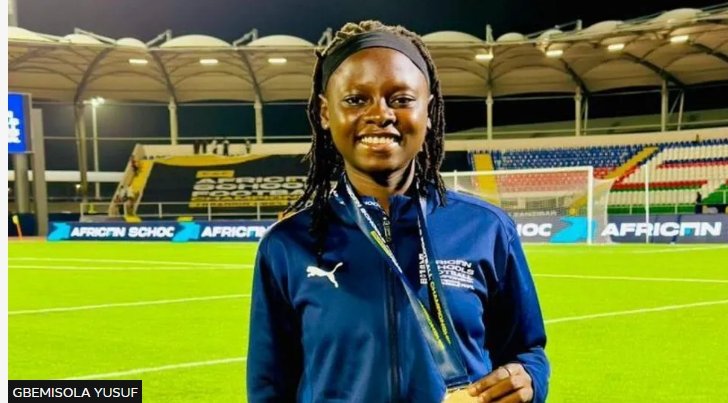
(556, 205)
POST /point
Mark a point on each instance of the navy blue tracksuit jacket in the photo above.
(341, 329)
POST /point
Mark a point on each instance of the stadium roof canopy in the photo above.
(680, 47)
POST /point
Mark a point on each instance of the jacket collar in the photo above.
(401, 207)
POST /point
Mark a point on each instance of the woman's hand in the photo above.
(507, 384)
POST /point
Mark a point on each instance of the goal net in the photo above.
(557, 205)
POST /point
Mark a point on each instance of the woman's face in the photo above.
(376, 107)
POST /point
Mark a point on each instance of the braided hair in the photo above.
(326, 164)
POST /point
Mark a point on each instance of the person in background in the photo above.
(699, 203)
(225, 146)
(119, 200)
(134, 165)
(213, 146)
(129, 199)
(248, 146)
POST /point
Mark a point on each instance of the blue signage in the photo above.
(668, 228)
(18, 134)
(662, 228)
(193, 231)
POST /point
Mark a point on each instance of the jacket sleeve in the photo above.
(274, 363)
(513, 319)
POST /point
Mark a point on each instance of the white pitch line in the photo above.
(161, 368)
(635, 311)
(675, 249)
(126, 304)
(122, 268)
(243, 359)
(162, 262)
(630, 278)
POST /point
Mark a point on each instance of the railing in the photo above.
(668, 208)
(166, 210)
(172, 211)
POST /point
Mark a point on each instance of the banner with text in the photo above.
(684, 228)
(188, 231)
(18, 133)
(668, 228)
(232, 183)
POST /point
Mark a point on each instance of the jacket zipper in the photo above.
(394, 351)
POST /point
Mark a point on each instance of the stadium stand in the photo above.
(170, 185)
(719, 196)
(677, 171)
(675, 175)
(603, 159)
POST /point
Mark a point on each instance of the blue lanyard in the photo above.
(437, 327)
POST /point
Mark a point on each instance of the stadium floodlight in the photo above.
(138, 62)
(679, 38)
(554, 53)
(615, 47)
(277, 60)
(484, 57)
(208, 62)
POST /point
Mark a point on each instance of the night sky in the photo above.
(230, 19)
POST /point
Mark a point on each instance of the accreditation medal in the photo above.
(460, 395)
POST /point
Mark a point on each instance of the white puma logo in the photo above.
(314, 271)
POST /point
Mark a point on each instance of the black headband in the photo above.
(374, 39)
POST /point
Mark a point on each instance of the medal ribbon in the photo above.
(437, 326)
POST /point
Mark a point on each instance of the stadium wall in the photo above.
(664, 229)
(474, 145)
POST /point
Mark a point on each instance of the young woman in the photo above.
(385, 286)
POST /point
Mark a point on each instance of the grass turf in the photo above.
(194, 350)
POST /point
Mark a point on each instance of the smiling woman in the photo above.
(388, 287)
(376, 109)
(326, 159)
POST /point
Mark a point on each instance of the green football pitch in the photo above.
(624, 323)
